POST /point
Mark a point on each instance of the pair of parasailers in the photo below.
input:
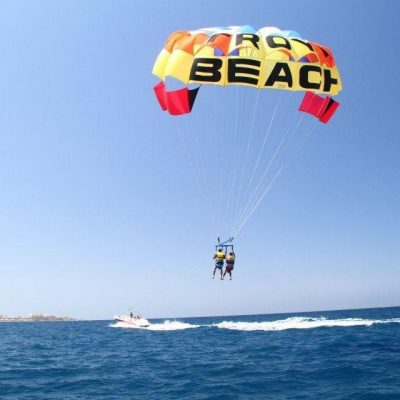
(220, 257)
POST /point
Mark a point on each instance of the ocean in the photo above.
(353, 354)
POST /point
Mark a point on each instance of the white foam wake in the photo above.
(278, 325)
(167, 325)
(171, 326)
(300, 323)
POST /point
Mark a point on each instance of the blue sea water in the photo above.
(352, 354)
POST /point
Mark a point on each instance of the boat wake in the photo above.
(167, 325)
(300, 323)
(278, 325)
(171, 326)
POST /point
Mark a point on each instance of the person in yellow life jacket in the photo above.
(219, 257)
(230, 263)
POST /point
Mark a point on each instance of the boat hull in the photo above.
(134, 321)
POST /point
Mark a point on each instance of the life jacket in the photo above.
(219, 256)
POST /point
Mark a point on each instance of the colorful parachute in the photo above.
(240, 55)
(241, 135)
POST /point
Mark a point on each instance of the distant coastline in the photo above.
(34, 318)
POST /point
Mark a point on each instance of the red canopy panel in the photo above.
(177, 102)
(320, 107)
(329, 110)
(159, 90)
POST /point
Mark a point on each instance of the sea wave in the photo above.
(300, 323)
(169, 325)
(349, 351)
(277, 325)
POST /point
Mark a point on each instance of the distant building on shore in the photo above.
(34, 317)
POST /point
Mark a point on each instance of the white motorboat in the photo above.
(134, 320)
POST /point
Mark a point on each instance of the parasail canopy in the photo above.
(268, 58)
(236, 154)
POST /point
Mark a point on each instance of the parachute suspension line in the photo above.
(263, 145)
(299, 145)
(249, 140)
(245, 204)
(234, 168)
(293, 131)
(307, 133)
(220, 181)
(229, 204)
(214, 177)
(236, 161)
(266, 191)
(305, 136)
(252, 205)
(218, 169)
(197, 173)
(259, 190)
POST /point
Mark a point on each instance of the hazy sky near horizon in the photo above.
(100, 212)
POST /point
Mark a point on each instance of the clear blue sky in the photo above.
(99, 210)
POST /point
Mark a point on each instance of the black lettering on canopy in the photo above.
(304, 77)
(241, 37)
(274, 43)
(276, 76)
(238, 66)
(206, 70)
(305, 43)
(328, 80)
